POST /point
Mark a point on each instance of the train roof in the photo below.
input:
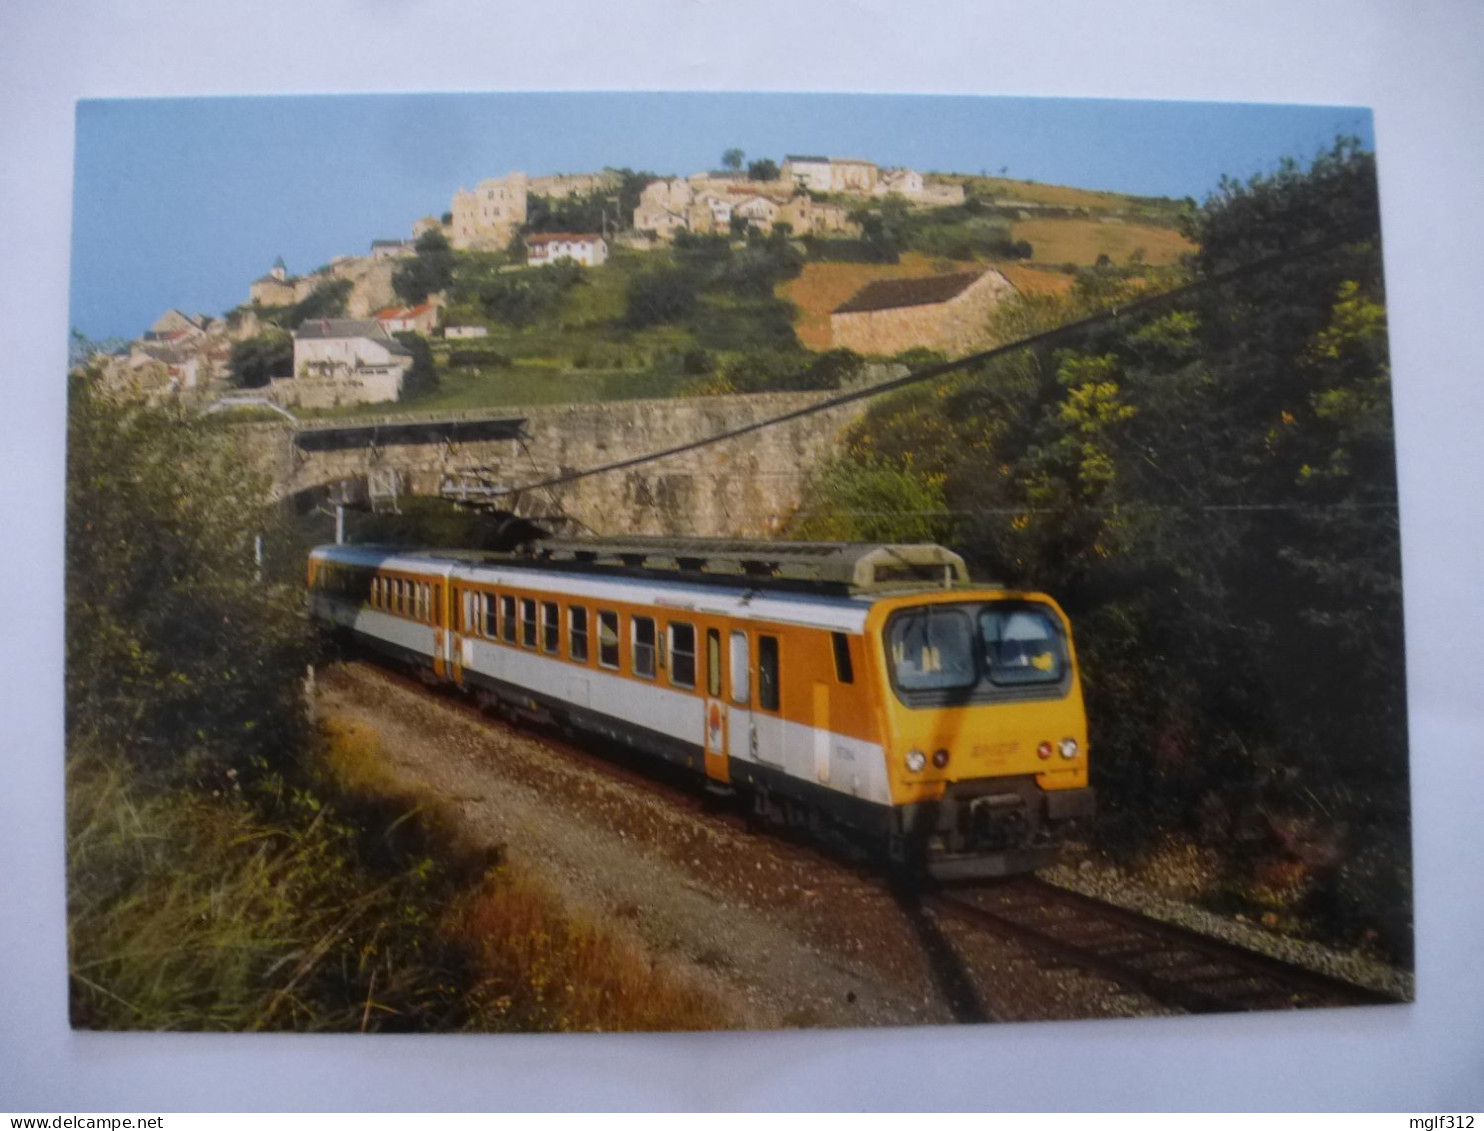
(826, 568)
(829, 584)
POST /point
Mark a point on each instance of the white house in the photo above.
(589, 249)
(343, 361)
(811, 172)
(465, 332)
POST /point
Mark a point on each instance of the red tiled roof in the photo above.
(887, 294)
(392, 312)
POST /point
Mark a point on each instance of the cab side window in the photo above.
(768, 688)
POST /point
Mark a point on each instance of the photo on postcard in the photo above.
(617, 562)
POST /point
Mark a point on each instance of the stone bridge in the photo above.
(746, 486)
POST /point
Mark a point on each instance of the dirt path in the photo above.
(782, 934)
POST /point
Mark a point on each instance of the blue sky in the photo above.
(184, 202)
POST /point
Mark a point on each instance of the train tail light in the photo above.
(940, 758)
(1043, 751)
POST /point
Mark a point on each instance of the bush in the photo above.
(660, 295)
(422, 378)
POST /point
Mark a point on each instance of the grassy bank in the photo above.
(341, 902)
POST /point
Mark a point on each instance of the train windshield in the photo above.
(961, 647)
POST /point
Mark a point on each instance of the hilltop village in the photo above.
(614, 283)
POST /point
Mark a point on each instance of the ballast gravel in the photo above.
(782, 936)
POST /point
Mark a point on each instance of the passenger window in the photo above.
(528, 622)
(507, 619)
(551, 627)
(741, 670)
(607, 639)
(489, 615)
(713, 663)
(844, 672)
(644, 647)
(767, 673)
(577, 633)
(683, 655)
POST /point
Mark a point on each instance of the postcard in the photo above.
(618, 562)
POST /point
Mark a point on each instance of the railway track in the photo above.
(1174, 965)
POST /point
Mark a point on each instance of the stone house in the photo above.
(711, 212)
(663, 208)
(903, 182)
(587, 248)
(759, 211)
(813, 173)
(948, 313)
(175, 326)
(340, 361)
(488, 217)
(391, 249)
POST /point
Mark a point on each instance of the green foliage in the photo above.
(428, 272)
(527, 297)
(764, 170)
(422, 378)
(175, 649)
(662, 294)
(327, 300)
(1211, 492)
(229, 910)
(732, 159)
(869, 500)
(256, 361)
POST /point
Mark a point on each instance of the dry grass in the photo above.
(537, 967)
(544, 970)
(1029, 281)
(1082, 241)
(1059, 196)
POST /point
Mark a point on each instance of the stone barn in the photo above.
(941, 312)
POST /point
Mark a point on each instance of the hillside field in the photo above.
(1058, 241)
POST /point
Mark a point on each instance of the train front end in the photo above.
(985, 730)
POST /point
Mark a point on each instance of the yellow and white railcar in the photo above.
(869, 686)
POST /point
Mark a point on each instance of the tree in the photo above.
(732, 159)
(176, 651)
(661, 294)
(427, 272)
(764, 170)
(256, 361)
(1211, 493)
(422, 378)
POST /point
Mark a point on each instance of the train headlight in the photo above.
(1043, 751)
(1068, 748)
(916, 760)
(940, 758)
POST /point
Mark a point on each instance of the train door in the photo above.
(739, 735)
(460, 615)
(431, 608)
(715, 725)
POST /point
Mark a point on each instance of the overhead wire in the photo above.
(1045, 337)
